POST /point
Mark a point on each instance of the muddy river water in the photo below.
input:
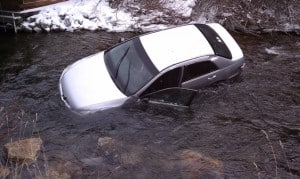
(248, 127)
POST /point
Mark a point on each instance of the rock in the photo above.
(104, 141)
(117, 151)
(53, 174)
(69, 29)
(32, 24)
(31, 19)
(37, 29)
(4, 172)
(109, 147)
(56, 174)
(47, 29)
(26, 27)
(96, 161)
(23, 150)
(61, 170)
(201, 166)
(67, 21)
(55, 28)
(132, 157)
(45, 24)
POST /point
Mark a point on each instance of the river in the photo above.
(248, 127)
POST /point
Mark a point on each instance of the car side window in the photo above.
(167, 80)
(198, 69)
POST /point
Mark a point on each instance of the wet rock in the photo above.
(23, 150)
(118, 152)
(201, 166)
(53, 174)
(61, 170)
(4, 172)
(96, 161)
(105, 141)
(132, 157)
(107, 146)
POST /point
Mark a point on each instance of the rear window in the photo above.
(215, 41)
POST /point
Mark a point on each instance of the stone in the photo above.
(67, 21)
(45, 23)
(96, 161)
(4, 172)
(57, 174)
(104, 141)
(108, 146)
(37, 29)
(26, 27)
(61, 170)
(32, 24)
(31, 19)
(23, 150)
(201, 166)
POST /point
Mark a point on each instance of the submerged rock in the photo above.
(105, 141)
(194, 164)
(62, 170)
(23, 150)
(4, 172)
(53, 174)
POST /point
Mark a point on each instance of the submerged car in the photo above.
(166, 66)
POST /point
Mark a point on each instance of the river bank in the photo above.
(120, 16)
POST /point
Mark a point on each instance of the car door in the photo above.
(199, 74)
(166, 90)
(174, 96)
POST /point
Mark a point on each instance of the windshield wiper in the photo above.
(120, 61)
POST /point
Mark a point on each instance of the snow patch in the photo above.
(183, 7)
(75, 15)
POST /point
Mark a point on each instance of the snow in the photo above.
(183, 7)
(273, 50)
(92, 15)
(73, 15)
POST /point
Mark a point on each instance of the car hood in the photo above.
(87, 85)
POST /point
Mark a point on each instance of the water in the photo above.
(247, 127)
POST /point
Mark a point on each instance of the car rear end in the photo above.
(226, 49)
(228, 40)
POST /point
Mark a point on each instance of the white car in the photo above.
(166, 66)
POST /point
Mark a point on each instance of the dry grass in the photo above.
(14, 125)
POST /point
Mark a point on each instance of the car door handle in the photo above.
(212, 77)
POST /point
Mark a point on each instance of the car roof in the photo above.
(171, 46)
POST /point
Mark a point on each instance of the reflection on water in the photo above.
(248, 126)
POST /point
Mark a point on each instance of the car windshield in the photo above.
(129, 66)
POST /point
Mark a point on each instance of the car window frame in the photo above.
(198, 76)
(144, 91)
